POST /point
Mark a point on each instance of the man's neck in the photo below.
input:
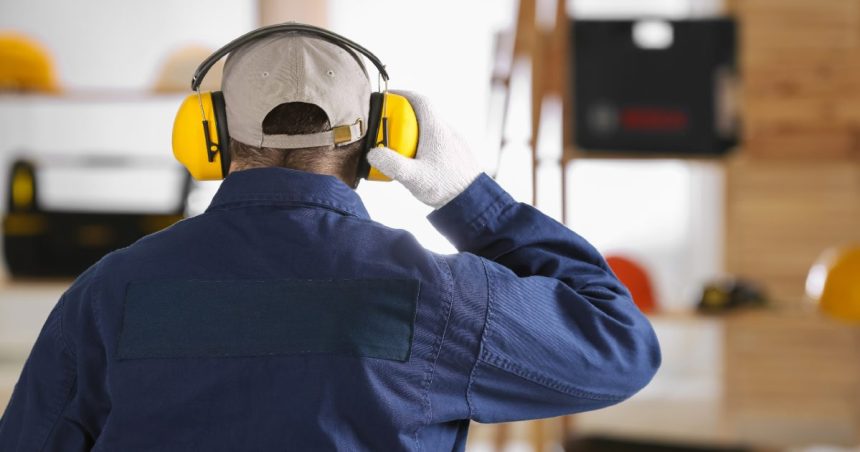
(234, 166)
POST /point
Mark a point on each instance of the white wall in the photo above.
(441, 49)
(110, 44)
(665, 214)
(108, 55)
(648, 8)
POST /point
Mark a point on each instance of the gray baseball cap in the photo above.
(294, 67)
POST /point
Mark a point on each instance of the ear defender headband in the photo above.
(201, 138)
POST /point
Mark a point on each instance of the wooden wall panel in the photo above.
(793, 189)
(800, 62)
(780, 215)
(792, 376)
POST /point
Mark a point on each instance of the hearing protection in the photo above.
(201, 138)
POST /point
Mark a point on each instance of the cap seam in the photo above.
(300, 62)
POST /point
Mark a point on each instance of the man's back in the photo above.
(284, 319)
(200, 325)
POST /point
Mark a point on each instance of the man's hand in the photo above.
(443, 166)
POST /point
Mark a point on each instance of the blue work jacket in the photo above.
(285, 319)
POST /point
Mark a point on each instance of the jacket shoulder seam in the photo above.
(60, 332)
(61, 306)
(485, 331)
(437, 346)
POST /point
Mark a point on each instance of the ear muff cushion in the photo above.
(219, 109)
(373, 119)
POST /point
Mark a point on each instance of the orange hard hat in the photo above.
(637, 280)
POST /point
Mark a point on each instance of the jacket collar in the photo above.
(283, 186)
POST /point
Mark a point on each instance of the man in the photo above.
(284, 318)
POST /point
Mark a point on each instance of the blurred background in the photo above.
(709, 148)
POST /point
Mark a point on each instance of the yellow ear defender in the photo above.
(201, 138)
(193, 144)
(398, 131)
(394, 119)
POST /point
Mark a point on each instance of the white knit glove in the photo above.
(442, 168)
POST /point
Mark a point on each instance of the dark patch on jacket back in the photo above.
(372, 318)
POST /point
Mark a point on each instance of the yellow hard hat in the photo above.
(25, 65)
(834, 282)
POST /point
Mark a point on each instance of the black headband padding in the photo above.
(321, 33)
(373, 119)
(220, 110)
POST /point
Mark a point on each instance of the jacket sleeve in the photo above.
(46, 409)
(554, 330)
